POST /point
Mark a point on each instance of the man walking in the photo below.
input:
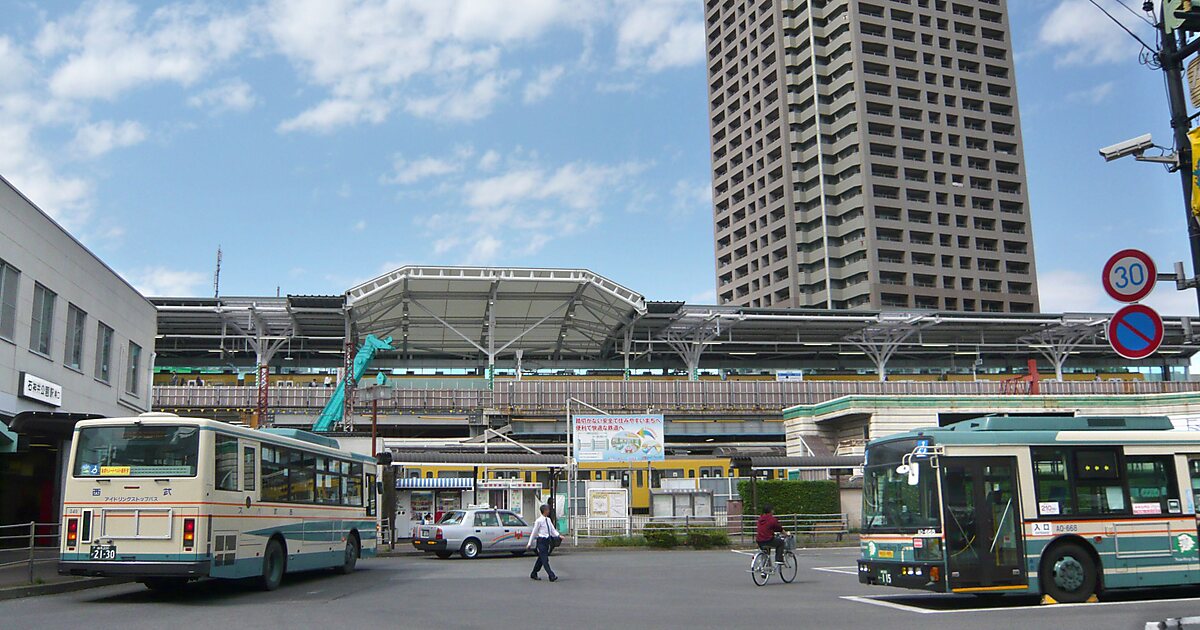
(543, 534)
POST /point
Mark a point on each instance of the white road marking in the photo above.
(925, 611)
(842, 570)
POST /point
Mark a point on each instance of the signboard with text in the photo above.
(40, 389)
(626, 438)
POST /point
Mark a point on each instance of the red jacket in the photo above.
(767, 526)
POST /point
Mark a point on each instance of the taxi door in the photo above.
(487, 529)
(516, 532)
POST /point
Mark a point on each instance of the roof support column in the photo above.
(880, 341)
(625, 343)
(1057, 343)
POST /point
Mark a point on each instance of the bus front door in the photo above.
(982, 524)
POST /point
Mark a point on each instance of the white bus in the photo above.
(165, 499)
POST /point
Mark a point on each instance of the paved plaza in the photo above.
(599, 589)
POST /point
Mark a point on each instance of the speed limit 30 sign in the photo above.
(1129, 275)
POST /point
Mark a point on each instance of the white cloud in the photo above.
(661, 34)
(542, 85)
(107, 53)
(462, 103)
(360, 225)
(405, 172)
(489, 160)
(96, 139)
(372, 55)
(703, 297)
(576, 185)
(23, 163)
(692, 195)
(1065, 291)
(164, 282)
(1081, 34)
(230, 96)
(1093, 95)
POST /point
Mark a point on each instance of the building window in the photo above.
(75, 321)
(131, 375)
(43, 320)
(9, 277)
(104, 337)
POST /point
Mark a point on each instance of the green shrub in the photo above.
(661, 535)
(707, 538)
(623, 541)
(793, 497)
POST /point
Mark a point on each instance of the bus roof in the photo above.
(1000, 429)
(283, 437)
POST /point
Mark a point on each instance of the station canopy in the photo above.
(530, 314)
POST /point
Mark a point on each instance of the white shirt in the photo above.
(543, 528)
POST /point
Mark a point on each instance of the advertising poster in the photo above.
(637, 438)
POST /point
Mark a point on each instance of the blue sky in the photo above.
(321, 143)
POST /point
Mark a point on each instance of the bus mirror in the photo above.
(902, 469)
(914, 475)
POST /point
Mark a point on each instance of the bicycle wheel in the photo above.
(760, 568)
(787, 572)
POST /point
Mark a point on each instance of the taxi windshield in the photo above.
(452, 518)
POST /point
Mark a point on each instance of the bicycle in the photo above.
(763, 565)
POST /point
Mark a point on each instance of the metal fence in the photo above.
(697, 397)
(741, 528)
(19, 544)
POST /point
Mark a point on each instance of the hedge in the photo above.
(660, 535)
(793, 497)
(707, 538)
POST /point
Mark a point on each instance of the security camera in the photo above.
(1135, 146)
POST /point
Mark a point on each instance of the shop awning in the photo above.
(434, 483)
(8, 440)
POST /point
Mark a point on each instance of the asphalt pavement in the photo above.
(610, 589)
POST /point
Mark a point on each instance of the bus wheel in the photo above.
(164, 585)
(1068, 574)
(273, 565)
(351, 557)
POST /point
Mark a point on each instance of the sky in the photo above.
(320, 143)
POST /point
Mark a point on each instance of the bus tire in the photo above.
(165, 585)
(350, 559)
(1068, 573)
(274, 564)
(470, 549)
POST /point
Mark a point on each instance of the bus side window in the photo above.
(371, 496)
(227, 462)
(249, 478)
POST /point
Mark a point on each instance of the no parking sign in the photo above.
(1135, 332)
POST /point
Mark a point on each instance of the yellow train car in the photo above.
(639, 477)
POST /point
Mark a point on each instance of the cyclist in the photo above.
(768, 527)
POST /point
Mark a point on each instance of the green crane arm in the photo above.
(366, 352)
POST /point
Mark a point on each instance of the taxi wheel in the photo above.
(443, 554)
(470, 549)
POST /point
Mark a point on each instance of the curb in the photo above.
(54, 588)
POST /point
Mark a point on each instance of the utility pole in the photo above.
(1171, 59)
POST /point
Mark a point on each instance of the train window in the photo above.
(692, 473)
(641, 478)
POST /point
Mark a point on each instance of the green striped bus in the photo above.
(1066, 507)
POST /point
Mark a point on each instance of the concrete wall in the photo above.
(45, 253)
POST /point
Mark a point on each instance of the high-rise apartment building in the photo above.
(868, 155)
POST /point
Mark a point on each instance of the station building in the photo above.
(76, 340)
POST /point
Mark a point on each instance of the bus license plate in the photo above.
(103, 552)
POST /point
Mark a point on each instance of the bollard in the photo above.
(32, 539)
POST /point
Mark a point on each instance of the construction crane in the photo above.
(333, 409)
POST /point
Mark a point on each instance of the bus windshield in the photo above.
(890, 502)
(137, 451)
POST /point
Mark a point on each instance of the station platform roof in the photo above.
(562, 319)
